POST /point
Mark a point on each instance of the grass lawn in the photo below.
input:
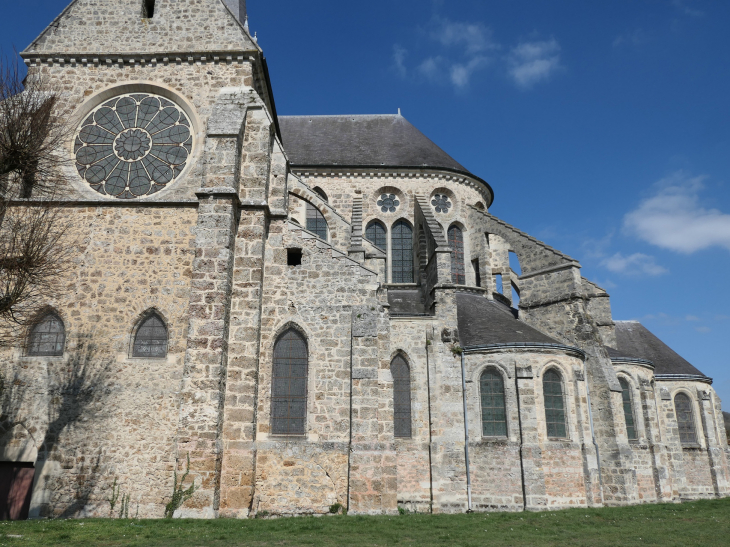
(703, 523)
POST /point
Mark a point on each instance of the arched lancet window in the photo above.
(402, 253)
(628, 409)
(552, 387)
(494, 413)
(151, 338)
(375, 234)
(456, 241)
(321, 193)
(316, 222)
(685, 419)
(289, 385)
(47, 337)
(401, 396)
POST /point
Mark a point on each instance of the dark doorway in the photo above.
(16, 485)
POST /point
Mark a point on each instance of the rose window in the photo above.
(388, 203)
(441, 203)
(133, 145)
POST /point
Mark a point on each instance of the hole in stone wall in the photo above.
(477, 275)
(515, 296)
(498, 283)
(293, 257)
(148, 9)
(514, 263)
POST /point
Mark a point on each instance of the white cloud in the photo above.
(691, 318)
(635, 264)
(474, 37)
(674, 219)
(399, 58)
(703, 329)
(461, 73)
(692, 12)
(432, 68)
(533, 62)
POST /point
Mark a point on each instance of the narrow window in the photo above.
(316, 222)
(552, 387)
(477, 273)
(375, 234)
(515, 296)
(401, 397)
(289, 385)
(148, 9)
(498, 283)
(494, 414)
(293, 257)
(47, 337)
(321, 193)
(456, 241)
(402, 241)
(685, 419)
(151, 338)
(628, 409)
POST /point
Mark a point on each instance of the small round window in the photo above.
(388, 203)
(441, 203)
(133, 145)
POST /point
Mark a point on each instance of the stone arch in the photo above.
(141, 320)
(316, 201)
(496, 422)
(39, 317)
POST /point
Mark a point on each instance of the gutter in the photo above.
(693, 377)
(466, 435)
(526, 345)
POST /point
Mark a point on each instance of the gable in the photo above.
(118, 26)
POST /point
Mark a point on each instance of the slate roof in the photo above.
(616, 354)
(485, 322)
(371, 140)
(634, 339)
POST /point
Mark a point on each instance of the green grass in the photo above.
(703, 523)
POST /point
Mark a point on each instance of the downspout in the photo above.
(593, 436)
(522, 442)
(466, 434)
(349, 443)
(430, 424)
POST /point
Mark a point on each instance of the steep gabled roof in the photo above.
(635, 340)
(369, 141)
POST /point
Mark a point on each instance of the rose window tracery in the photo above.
(441, 203)
(388, 203)
(133, 145)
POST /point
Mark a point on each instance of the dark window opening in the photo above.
(552, 387)
(402, 253)
(477, 274)
(401, 397)
(151, 338)
(375, 234)
(321, 193)
(148, 9)
(316, 222)
(494, 413)
(289, 385)
(628, 409)
(456, 241)
(293, 257)
(685, 419)
(47, 337)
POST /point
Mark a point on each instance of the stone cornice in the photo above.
(110, 60)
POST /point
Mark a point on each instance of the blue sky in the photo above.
(603, 127)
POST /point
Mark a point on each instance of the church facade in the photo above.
(308, 311)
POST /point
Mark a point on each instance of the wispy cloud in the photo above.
(635, 37)
(687, 10)
(399, 60)
(533, 62)
(475, 38)
(674, 219)
(703, 329)
(635, 264)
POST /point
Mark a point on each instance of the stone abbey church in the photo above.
(314, 310)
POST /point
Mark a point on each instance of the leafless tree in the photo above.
(34, 247)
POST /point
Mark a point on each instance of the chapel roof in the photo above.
(485, 322)
(635, 340)
(387, 140)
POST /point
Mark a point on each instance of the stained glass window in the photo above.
(316, 222)
(685, 419)
(388, 203)
(289, 385)
(552, 387)
(47, 337)
(402, 254)
(375, 234)
(628, 409)
(456, 241)
(151, 338)
(133, 145)
(441, 203)
(494, 414)
(401, 397)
